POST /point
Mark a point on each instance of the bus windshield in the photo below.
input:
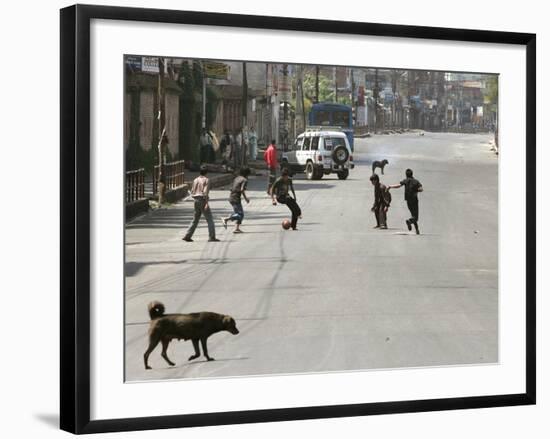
(341, 119)
(330, 114)
(322, 118)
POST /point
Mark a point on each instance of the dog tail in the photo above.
(156, 310)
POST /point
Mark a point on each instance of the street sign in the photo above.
(217, 70)
(134, 62)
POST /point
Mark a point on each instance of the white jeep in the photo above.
(319, 151)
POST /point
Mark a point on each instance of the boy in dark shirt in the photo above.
(381, 202)
(238, 188)
(279, 191)
(412, 187)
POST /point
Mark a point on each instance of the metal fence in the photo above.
(173, 175)
(135, 185)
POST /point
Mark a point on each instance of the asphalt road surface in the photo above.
(336, 294)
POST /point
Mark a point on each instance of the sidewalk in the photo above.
(158, 222)
(217, 180)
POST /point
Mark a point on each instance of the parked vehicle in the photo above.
(320, 151)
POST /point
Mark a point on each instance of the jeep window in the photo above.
(307, 141)
(315, 143)
(298, 144)
(334, 142)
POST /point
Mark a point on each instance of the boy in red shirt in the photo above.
(270, 157)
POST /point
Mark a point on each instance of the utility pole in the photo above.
(375, 93)
(409, 99)
(203, 125)
(163, 139)
(300, 105)
(317, 68)
(269, 106)
(302, 97)
(352, 94)
(286, 124)
(335, 84)
(460, 106)
(244, 110)
(395, 74)
(411, 86)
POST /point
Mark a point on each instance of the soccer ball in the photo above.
(286, 224)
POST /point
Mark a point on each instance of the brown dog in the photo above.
(195, 326)
(379, 164)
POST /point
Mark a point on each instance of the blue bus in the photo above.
(334, 115)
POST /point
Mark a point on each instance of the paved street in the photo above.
(337, 294)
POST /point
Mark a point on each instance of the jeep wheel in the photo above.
(342, 175)
(310, 171)
(340, 155)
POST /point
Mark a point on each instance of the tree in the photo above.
(326, 88)
(189, 124)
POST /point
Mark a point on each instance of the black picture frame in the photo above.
(75, 218)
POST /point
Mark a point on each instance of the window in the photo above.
(334, 142)
(341, 119)
(315, 143)
(322, 118)
(307, 141)
(298, 144)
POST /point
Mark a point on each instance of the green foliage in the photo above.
(141, 158)
(190, 115)
(307, 105)
(191, 83)
(326, 88)
(146, 158)
(186, 81)
(197, 74)
(491, 90)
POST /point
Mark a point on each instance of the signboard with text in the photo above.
(217, 70)
(149, 64)
(134, 62)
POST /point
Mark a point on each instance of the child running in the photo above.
(412, 187)
(238, 188)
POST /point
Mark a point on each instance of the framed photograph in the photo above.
(273, 218)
